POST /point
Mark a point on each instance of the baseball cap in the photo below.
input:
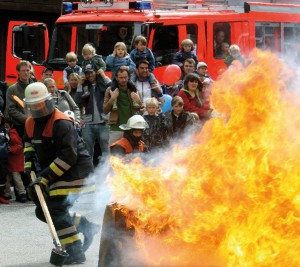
(201, 64)
(89, 67)
(48, 68)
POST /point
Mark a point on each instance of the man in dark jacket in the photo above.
(15, 94)
(64, 164)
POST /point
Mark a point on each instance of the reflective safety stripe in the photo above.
(66, 231)
(55, 169)
(77, 219)
(36, 141)
(28, 149)
(69, 240)
(27, 144)
(62, 163)
(44, 181)
(28, 164)
(79, 182)
(67, 191)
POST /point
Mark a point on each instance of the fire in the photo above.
(231, 198)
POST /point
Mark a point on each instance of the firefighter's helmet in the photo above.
(135, 122)
(38, 100)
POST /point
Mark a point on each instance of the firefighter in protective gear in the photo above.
(64, 163)
(132, 138)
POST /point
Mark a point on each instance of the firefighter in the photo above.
(132, 139)
(64, 164)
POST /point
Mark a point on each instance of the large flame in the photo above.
(231, 198)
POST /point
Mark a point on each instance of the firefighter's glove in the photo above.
(43, 183)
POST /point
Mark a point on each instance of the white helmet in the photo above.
(201, 64)
(135, 122)
(38, 100)
(36, 92)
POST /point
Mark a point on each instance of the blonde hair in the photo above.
(234, 49)
(88, 48)
(122, 45)
(187, 42)
(71, 56)
(74, 75)
(152, 102)
(49, 80)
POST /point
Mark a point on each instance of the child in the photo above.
(90, 57)
(120, 59)
(4, 139)
(141, 51)
(234, 54)
(224, 50)
(178, 119)
(202, 71)
(71, 59)
(156, 135)
(15, 163)
(187, 47)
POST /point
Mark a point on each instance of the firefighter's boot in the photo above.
(89, 230)
(76, 254)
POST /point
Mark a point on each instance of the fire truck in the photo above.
(24, 32)
(165, 23)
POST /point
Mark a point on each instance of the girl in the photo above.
(194, 98)
(120, 59)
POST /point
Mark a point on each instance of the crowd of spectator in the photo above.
(101, 107)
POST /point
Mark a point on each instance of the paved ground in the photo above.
(26, 242)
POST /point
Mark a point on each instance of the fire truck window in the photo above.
(85, 36)
(112, 35)
(191, 31)
(165, 44)
(62, 43)
(29, 43)
(229, 33)
(292, 40)
(268, 36)
(222, 33)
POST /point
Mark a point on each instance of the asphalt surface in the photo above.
(26, 242)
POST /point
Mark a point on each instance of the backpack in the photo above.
(4, 138)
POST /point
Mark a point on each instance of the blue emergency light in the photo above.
(67, 8)
(140, 5)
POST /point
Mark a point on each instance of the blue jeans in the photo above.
(91, 132)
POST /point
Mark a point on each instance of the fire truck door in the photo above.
(25, 41)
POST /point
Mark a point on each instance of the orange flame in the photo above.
(232, 198)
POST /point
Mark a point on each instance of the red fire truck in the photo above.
(267, 24)
(24, 34)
